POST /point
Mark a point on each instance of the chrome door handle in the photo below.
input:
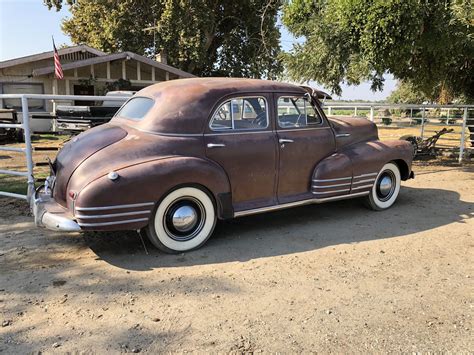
(342, 135)
(283, 141)
(215, 145)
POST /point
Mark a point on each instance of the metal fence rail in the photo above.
(25, 126)
(458, 117)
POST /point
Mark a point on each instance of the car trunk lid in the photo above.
(76, 151)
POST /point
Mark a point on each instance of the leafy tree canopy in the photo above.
(428, 43)
(406, 94)
(204, 37)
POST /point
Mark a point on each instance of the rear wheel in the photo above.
(386, 188)
(183, 221)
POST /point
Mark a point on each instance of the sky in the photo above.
(26, 27)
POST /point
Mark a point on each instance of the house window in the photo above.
(241, 114)
(23, 88)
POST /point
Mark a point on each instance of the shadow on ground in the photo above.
(292, 231)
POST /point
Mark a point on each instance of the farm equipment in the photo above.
(423, 148)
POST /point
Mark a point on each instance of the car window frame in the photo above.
(309, 100)
(237, 130)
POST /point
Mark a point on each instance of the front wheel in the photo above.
(183, 221)
(386, 188)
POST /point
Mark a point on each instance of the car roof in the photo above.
(184, 105)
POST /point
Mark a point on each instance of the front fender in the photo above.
(352, 170)
(139, 187)
(370, 157)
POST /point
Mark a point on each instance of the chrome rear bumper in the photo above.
(49, 214)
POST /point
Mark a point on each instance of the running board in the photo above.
(298, 203)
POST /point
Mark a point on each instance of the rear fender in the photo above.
(147, 183)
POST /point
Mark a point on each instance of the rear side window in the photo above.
(243, 113)
(136, 108)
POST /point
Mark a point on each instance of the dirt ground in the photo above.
(326, 278)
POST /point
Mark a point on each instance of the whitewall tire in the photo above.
(184, 220)
(386, 188)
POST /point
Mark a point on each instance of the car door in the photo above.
(240, 138)
(305, 138)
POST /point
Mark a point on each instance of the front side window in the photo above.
(241, 114)
(297, 111)
(135, 108)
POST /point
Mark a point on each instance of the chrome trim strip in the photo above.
(112, 223)
(266, 130)
(329, 192)
(341, 197)
(362, 187)
(329, 180)
(102, 208)
(329, 186)
(297, 203)
(363, 181)
(134, 213)
(301, 129)
(365, 175)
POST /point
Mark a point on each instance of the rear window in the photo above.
(136, 108)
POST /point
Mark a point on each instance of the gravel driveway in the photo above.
(327, 278)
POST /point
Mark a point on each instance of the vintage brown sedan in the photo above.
(181, 154)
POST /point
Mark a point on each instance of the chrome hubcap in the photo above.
(385, 185)
(184, 218)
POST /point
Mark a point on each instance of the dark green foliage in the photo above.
(204, 37)
(428, 43)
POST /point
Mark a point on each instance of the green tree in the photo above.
(405, 93)
(428, 43)
(204, 37)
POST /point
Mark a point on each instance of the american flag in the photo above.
(58, 69)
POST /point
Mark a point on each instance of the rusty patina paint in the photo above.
(168, 148)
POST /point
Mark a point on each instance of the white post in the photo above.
(108, 70)
(422, 123)
(28, 147)
(167, 76)
(92, 71)
(447, 117)
(139, 71)
(124, 70)
(329, 110)
(152, 73)
(463, 135)
(355, 111)
(372, 113)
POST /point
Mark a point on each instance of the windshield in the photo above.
(136, 108)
